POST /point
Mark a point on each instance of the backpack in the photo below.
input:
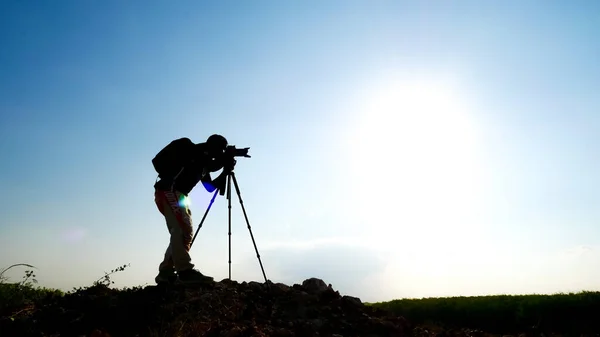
(169, 161)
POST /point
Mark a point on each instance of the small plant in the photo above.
(105, 280)
(26, 278)
(28, 274)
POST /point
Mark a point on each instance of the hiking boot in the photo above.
(166, 277)
(192, 276)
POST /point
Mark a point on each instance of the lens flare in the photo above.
(184, 201)
(74, 235)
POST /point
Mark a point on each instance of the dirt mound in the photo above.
(225, 308)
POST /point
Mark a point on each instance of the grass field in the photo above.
(570, 314)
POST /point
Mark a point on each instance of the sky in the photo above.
(399, 149)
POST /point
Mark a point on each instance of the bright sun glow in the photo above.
(415, 164)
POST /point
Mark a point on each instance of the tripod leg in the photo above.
(204, 217)
(229, 211)
(237, 188)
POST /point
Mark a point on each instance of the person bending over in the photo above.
(181, 165)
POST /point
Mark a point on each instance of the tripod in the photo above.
(230, 177)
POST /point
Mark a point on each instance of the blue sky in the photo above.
(399, 149)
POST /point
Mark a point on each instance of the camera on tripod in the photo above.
(228, 161)
(229, 155)
(225, 180)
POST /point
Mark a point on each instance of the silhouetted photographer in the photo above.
(180, 166)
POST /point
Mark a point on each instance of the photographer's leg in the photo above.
(166, 270)
(187, 274)
(167, 262)
(179, 221)
(180, 227)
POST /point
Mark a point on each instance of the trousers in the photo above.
(174, 207)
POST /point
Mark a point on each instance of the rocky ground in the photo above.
(224, 308)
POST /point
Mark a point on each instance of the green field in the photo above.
(572, 313)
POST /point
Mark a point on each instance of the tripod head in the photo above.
(229, 164)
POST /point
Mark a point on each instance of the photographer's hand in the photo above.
(227, 162)
(230, 165)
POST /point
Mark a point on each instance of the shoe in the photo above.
(165, 277)
(192, 276)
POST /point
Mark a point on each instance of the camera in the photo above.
(232, 151)
(228, 157)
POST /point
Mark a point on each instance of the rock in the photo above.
(281, 287)
(355, 301)
(314, 286)
(255, 286)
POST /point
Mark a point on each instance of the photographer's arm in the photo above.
(211, 185)
(207, 183)
(221, 162)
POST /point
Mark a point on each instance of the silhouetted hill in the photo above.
(225, 308)
(232, 309)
